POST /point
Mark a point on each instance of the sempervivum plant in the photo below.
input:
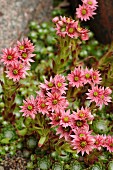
(101, 126)
(64, 118)
(75, 165)
(110, 165)
(57, 166)
(44, 163)
(96, 167)
(31, 142)
(8, 134)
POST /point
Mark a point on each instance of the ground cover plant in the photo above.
(56, 97)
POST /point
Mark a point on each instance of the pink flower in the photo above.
(25, 46)
(98, 141)
(60, 84)
(84, 36)
(84, 144)
(26, 58)
(92, 76)
(95, 75)
(83, 33)
(109, 143)
(55, 119)
(62, 24)
(94, 94)
(84, 12)
(47, 85)
(64, 132)
(55, 19)
(71, 30)
(99, 95)
(9, 56)
(104, 98)
(29, 108)
(107, 91)
(61, 29)
(56, 102)
(81, 30)
(91, 3)
(78, 123)
(65, 119)
(87, 76)
(41, 105)
(76, 78)
(17, 71)
(83, 114)
(81, 132)
(67, 20)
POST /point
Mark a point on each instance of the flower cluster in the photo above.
(71, 125)
(71, 28)
(50, 99)
(86, 10)
(17, 60)
(83, 141)
(69, 122)
(98, 94)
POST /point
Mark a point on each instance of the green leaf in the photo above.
(5, 141)
(41, 141)
(22, 132)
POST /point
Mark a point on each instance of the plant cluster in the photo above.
(67, 115)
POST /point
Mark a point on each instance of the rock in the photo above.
(1, 168)
(15, 16)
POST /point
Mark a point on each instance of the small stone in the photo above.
(1, 168)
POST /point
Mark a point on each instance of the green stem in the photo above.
(61, 60)
(9, 90)
(105, 56)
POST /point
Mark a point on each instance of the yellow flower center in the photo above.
(50, 84)
(79, 28)
(9, 57)
(21, 47)
(79, 123)
(76, 78)
(55, 101)
(83, 144)
(94, 77)
(87, 76)
(59, 84)
(102, 97)
(15, 71)
(81, 114)
(81, 135)
(66, 119)
(29, 107)
(95, 93)
(96, 143)
(71, 30)
(43, 105)
(84, 11)
(68, 20)
(90, 2)
(24, 55)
